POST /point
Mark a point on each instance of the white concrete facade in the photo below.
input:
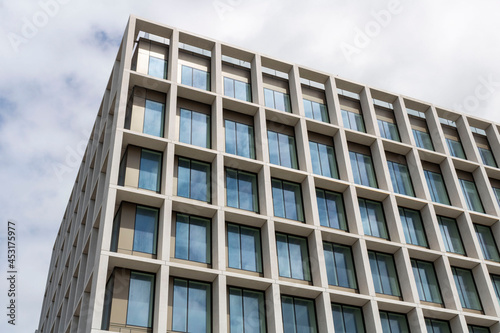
(83, 258)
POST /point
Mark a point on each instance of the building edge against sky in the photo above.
(221, 189)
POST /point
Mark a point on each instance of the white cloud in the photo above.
(52, 86)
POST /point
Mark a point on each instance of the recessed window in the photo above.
(298, 315)
(193, 179)
(437, 188)
(400, 178)
(477, 329)
(487, 242)
(196, 78)
(412, 226)
(339, 265)
(316, 111)
(193, 238)
(282, 149)
(487, 157)
(140, 299)
(293, 257)
(384, 273)
(437, 326)
(191, 306)
(393, 322)
(471, 195)
(239, 139)
(497, 194)
(244, 248)
(323, 160)
(362, 169)
(247, 312)
(455, 148)
(331, 209)
(150, 170)
(241, 188)
(237, 89)
(353, 120)
(372, 217)
(467, 291)
(426, 280)
(154, 114)
(145, 229)
(277, 100)
(451, 235)
(287, 200)
(423, 139)
(388, 130)
(195, 128)
(157, 67)
(347, 318)
(495, 279)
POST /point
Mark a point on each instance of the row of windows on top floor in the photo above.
(192, 121)
(191, 303)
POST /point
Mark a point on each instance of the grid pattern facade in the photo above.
(223, 190)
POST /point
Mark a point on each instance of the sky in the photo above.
(57, 56)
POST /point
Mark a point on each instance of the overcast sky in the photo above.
(56, 56)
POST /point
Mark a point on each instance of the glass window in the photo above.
(455, 148)
(339, 265)
(384, 273)
(157, 67)
(412, 226)
(154, 115)
(108, 298)
(426, 280)
(277, 100)
(237, 89)
(243, 247)
(145, 230)
(471, 195)
(372, 216)
(487, 242)
(316, 111)
(247, 313)
(282, 149)
(323, 160)
(191, 308)
(239, 139)
(388, 130)
(298, 315)
(422, 139)
(437, 326)
(287, 200)
(293, 257)
(495, 279)
(241, 188)
(466, 287)
(497, 194)
(140, 299)
(477, 329)
(393, 322)
(400, 178)
(487, 157)
(193, 238)
(362, 169)
(193, 179)
(195, 128)
(195, 77)
(331, 209)
(437, 187)
(347, 318)
(150, 170)
(353, 120)
(451, 235)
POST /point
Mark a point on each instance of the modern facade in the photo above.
(227, 191)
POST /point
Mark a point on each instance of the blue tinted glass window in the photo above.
(241, 188)
(149, 170)
(293, 257)
(400, 178)
(426, 280)
(145, 232)
(239, 139)
(384, 273)
(464, 281)
(362, 169)
(282, 149)
(193, 179)
(299, 315)
(331, 209)
(191, 309)
(451, 235)
(388, 130)
(316, 111)
(157, 67)
(246, 311)
(140, 299)
(412, 226)
(437, 187)
(244, 248)
(287, 200)
(323, 160)
(393, 322)
(347, 319)
(339, 265)
(195, 128)
(372, 217)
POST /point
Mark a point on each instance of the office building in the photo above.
(227, 191)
